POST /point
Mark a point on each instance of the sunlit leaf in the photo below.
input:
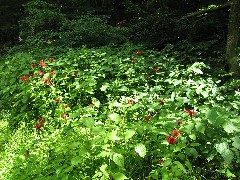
(141, 149)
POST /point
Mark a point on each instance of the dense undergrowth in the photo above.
(116, 113)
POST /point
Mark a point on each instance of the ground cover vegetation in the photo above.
(120, 90)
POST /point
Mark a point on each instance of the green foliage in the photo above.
(41, 22)
(115, 113)
(91, 31)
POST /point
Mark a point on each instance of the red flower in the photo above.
(75, 73)
(47, 80)
(33, 65)
(57, 100)
(40, 73)
(161, 102)
(179, 123)
(138, 53)
(175, 133)
(27, 152)
(147, 118)
(92, 104)
(51, 59)
(190, 112)
(24, 78)
(156, 69)
(133, 60)
(64, 116)
(130, 102)
(171, 139)
(41, 120)
(31, 74)
(53, 72)
(38, 126)
(42, 64)
(160, 162)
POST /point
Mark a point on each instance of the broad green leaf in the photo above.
(88, 122)
(205, 94)
(236, 142)
(180, 166)
(200, 127)
(76, 160)
(24, 99)
(198, 71)
(188, 164)
(212, 116)
(103, 167)
(199, 88)
(141, 149)
(103, 154)
(192, 136)
(183, 100)
(115, 117)
(74, 144)
(220, 147)
(104, 87)
(229, 127)
(123, 88)
(129, 134)
(194, 144)
(229, 174)
(113, 136)
(167, 162)
(191, 152)
(227, 155)
(118, 159)
(119, 176)
(181, 156)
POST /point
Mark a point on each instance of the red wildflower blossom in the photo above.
(175, 133)
(42, 64)
(179, 123)
(156, 69)
(27, 152)
(133, 60)
(51, 59)
(31, 74)
(147, 118)
(41, 61)
(64, 116)
(53, 72)
(47, 80)
(41, 120)
(57, 100)
(171, 139)
(190, 112)
(161, 102)
(24, 78)
(92, 104)
(40, 73)
(160, 162)
(75, 73)
(130, 102)
(138, 53)
(147, 76)
(33, 65)
(38, 126)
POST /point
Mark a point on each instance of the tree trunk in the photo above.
(233, 38)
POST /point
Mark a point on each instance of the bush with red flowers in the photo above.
(92, 114)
